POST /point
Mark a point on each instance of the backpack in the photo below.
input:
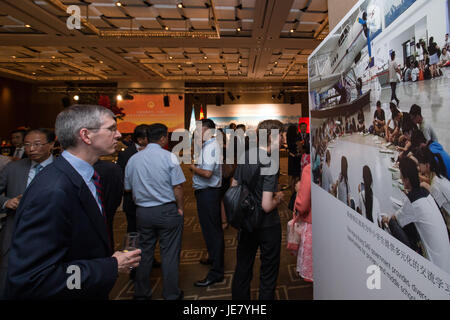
(241, 206)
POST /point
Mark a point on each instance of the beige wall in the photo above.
(337, 9)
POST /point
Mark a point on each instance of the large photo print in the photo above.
(379, 103)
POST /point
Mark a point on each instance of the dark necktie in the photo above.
(98, 189)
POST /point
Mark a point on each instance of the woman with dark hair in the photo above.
(343, 189)
(292, 138)
(420, 208)
(434, 59)
(394, 69)
(368, 206)
(432, 175)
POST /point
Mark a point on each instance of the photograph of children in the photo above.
(380, 120)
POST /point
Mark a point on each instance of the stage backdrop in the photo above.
(252, 114)
(149, 108)
(355, 258)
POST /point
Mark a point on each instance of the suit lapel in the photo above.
(87, 200)
(24, 173)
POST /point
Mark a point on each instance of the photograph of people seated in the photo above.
(382, 147)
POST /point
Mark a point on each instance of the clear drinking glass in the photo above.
(131, 241)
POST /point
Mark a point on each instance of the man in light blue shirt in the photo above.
(207, 181)
(155, 178)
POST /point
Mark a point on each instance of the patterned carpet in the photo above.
(289, 286)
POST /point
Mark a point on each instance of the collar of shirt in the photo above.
(208, 142)
(44, 163)
(85, 170)
(153, 146)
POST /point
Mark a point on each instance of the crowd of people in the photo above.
(60, 209)
(422, 221)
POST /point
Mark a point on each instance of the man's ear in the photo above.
(84, 135)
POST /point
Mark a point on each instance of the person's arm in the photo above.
(179, 198)
(271, 200)
(303, 199)
(201, 172)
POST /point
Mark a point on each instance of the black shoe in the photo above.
(207, 282)
(156, 264)
(206, 261)
(181, 296)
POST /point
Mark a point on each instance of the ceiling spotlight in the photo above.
(205, 57)
(53, 57)
(180, 5)
(101, 61)
(179, 66)
(13, 57)
(27, 26)
(166, 27)
(170, 57)
(238, 29)
(276, 62)
(239, 61)
(42, 66)
(209, 66)
(291, 31)
(119, 97)
(76, 97)
(34, 73)
(270, 72)
(118, 3)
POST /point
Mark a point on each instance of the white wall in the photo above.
(436, 13)
(421, 29)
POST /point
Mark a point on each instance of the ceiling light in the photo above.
(270, 72)
(238, 29)
(13, 57)
(34, 73)
(170, 57)
(179, 66)
(76, 97)
(240, 61)
(276, 62)
(166, 27)
(118, 3)
(53, 57)
(209, 66)
(101, 61)
(27, 26)
(119, 97)
(42, 66)
(205, 57)
(292, 30)
(180, 5)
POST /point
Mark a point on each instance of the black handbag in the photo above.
(241, 206)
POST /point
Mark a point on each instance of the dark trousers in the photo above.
(163, 222)
(393, 95)
(209, 216)
(130, 211)
(269, 241)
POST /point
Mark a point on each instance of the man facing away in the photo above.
(207, 182)
(155, 178)
(60, 248)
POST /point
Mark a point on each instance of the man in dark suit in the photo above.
(18, 150)
(111, 179)
(60, 247)
(140, 141)
(14, 179)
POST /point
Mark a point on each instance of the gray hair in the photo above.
(70, 121)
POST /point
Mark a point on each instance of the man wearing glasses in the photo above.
(60, 248)
(14, 179)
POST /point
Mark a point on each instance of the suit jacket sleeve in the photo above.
(38, 266)
(3, 185)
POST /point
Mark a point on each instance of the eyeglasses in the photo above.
(34, 144)
(112, 128)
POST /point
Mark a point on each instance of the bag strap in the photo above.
(255, 175)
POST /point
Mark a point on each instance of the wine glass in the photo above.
(131, 241)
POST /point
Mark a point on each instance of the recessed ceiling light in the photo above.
(76, 97)
(238, 29)
(166, 27)
(118, 3)
(13, 57)
(53, 57)
(205, 57)
(170, 57)
(276, 62)
(27, 26)
(240, 61)
(270, 72)
(42, 66)
(180, 5)
(34, 73)
(179, 66)
(292, 30)
(119, 97)
(101, 61)
(209, 66)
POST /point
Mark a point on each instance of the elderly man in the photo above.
(60, 248)
(155, 179)
(15, 179)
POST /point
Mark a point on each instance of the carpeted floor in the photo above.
(289, 287)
